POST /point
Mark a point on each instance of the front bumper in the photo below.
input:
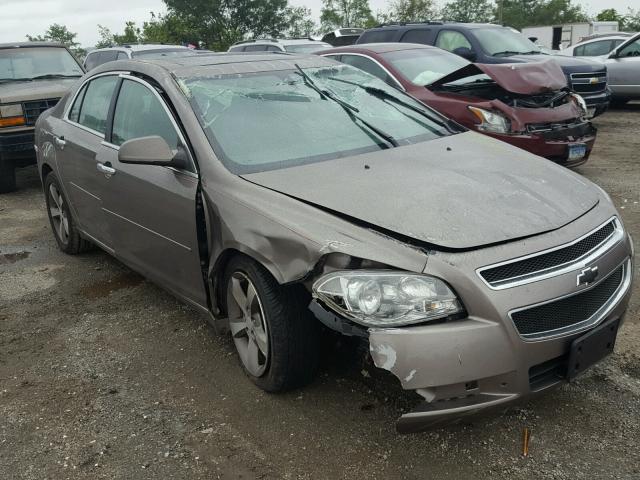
(482, 362)
(17, 144)
(554, 143)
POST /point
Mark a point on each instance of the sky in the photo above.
(19, 17)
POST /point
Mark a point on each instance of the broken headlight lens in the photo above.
(579, 101)
(386, 299)
(491, 121)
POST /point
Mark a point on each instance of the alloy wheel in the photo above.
(59, 217)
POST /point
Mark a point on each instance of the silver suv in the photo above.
(33, 77)
(126, 52)
(291, 45)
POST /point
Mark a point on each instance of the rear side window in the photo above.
(417, 36)
(375, 36)
(139, 113)
(95, 105)
(74, 113)
(593, 49)
(450, 40)
(368, 66)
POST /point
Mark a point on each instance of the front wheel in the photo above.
(275, 335)
(7, 175)
(62, 222)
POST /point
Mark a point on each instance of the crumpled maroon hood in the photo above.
(521, 78)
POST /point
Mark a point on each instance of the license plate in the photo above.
(591, 112)
(577, 151)
(592, 347)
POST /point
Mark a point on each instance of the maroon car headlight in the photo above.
(386, 299)
(491, 121)
(579, 101)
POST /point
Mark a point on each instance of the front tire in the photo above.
(7, 175)
(62, 222)
(275, 334)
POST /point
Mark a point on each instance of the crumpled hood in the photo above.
(480, 192)
(36, 90)
(522, 78)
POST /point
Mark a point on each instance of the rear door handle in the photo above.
(60, 142)
(106, 168)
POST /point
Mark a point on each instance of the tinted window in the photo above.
(95, 106)
(139, 113)
(375, 36)
(108, 56)
(269, 120)
(91, 61)
(417, 36)
(74, 113)
(631, 50)
(368, 66)
(255, 48)
(593, 49)
(450, 40)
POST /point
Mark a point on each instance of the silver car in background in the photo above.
(291, 196)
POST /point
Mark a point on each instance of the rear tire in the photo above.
(63, 224)
(7, 175)
(276, 320)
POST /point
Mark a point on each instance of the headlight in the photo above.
(579, 101)
(491, 121)
(386, 299)
(11, 115)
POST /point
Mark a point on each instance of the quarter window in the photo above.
(95, 105)
(450, 40)
(74, 113)
(139, 113)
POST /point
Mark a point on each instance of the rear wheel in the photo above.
(62, 222)
(275, 335)
(7, 175)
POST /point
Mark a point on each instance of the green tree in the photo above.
(168, 29)
(526, 13)
(480, 11)
(106, 37)
(131, 34)
(632, 21)
(408, 11)
(61, 34)
(219, 23)
(299, 22)
(345, 13)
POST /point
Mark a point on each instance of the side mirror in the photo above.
(465, 52)
(152, 150)
(613, 54)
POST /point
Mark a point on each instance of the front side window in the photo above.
(21, 64)
(139, 113)
(275, 119)
(631, 50)
(95, 105)
(424, 66)
(450, 40)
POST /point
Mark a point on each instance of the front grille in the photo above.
(589, 82)
(32, 110)
(546, 261)
(568, 311)
(561, 130)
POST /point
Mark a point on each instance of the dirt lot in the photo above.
(104, 375)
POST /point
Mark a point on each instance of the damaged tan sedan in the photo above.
(279, 197)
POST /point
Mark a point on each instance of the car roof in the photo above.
(139, 47)
(431, 25)
(216, 63)
(31, 45)
(279, 41)
(381, 47)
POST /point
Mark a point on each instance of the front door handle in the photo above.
(60, 142)
(106, 168)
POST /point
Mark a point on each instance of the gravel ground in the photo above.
(104, 375)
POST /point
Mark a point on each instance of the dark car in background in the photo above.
(527, 105)
(491, 44)
(137, 51)
(33, 77)
(289, 197)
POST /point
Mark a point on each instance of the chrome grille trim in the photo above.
(34, 108)
(580, 262)
(588, 323)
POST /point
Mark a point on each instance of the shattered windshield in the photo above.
(277, 119)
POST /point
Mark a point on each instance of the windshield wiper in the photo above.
(508, 53)
(5, 80)
(54, 75)
(380, 93)
(350, 109)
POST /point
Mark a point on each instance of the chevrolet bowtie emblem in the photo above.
(593, 80)
(587, 276)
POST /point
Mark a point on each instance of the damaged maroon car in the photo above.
(527, 105)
